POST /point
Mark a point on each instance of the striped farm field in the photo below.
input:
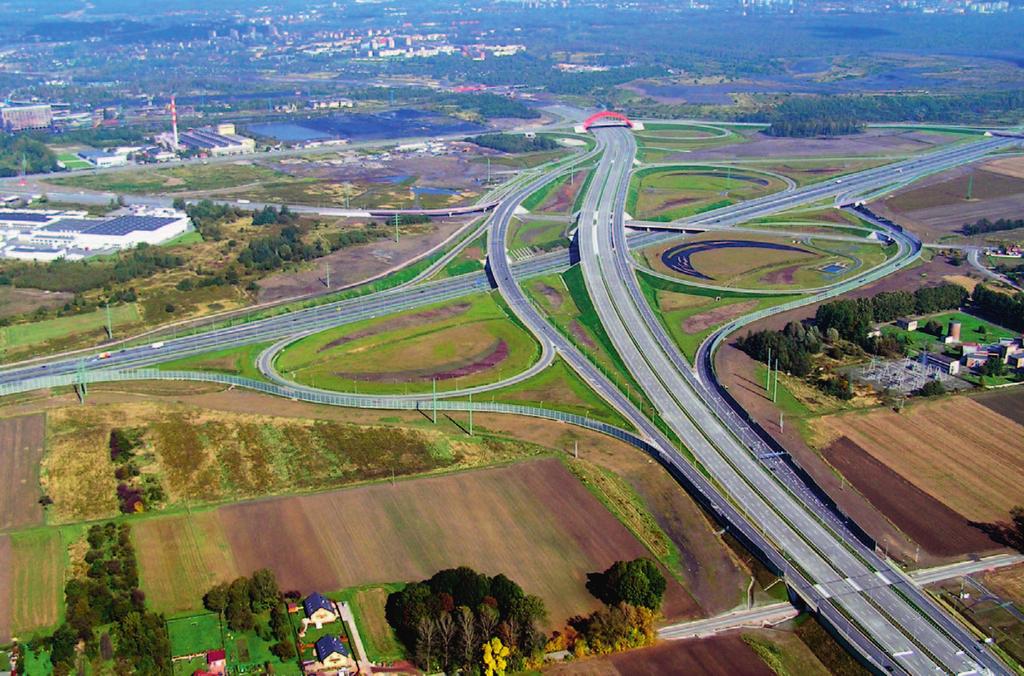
(182, 556)
(35, 583)
(532, 521)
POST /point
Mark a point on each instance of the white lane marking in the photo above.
(882, 577)
(853, 584)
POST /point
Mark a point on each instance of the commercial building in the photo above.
(213, 141)
(103, 159)
(18, 118)
(48, 235)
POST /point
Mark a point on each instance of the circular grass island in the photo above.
(459, 344)
(668, 193)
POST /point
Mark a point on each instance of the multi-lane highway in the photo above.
(910, 633)
(894, 627)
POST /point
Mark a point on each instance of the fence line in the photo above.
(425, 404)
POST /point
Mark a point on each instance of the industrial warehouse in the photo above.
(72, 235)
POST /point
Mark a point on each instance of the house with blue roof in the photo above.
(320, 610)
(333, 655)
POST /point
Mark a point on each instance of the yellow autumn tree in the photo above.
(495, 657)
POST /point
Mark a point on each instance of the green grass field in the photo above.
(185, 239)
(239, 361)
(460, 344)
(668, 193)
(559, 387)
(58, 328)
(564, 299)
(194, 633)
(526, 234)
(972, 330)
(73, 162)
(367, 605)
(659, 141)
(691, 318)
(541, 196)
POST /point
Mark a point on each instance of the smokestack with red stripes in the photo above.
(174, 122)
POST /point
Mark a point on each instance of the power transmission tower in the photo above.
(398, 221)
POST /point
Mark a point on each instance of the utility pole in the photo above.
(782, 423)
(576, 449)
(768, 382)
(488, 170)
(775, 392)
(434, 382)
(327, 273)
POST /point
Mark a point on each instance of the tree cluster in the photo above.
(792, 348)
(610, 629)
(847, 320)
(109, 594)
(514, 143)
(445, 621)
(135, 492)
(829, 115)
(255, 603)
(1001, 308)
(84, 275)
(638, 582)
(208, 216)
(853, 318)
(984, 225)
(1009, 533)
(270, 215)
(21, 151)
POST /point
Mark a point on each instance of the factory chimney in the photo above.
(174, 122)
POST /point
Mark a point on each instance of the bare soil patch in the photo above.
(16, 301)
(437, 314)
(552, 295)
(726, 655)
(719, 315)
(21, 451)
(355, 264)
(565, 196)
(933, 525)
(580, 333)
(487, 359)
(783, 276)
(938, 206)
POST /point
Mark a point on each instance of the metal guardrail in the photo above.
(426, 404)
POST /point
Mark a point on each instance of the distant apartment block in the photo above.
(18, 118)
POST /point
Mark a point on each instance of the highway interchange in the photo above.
(888, 620)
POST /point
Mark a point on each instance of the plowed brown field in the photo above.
(532, 521)
(956, 450)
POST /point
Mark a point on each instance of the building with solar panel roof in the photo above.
(47, 235)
